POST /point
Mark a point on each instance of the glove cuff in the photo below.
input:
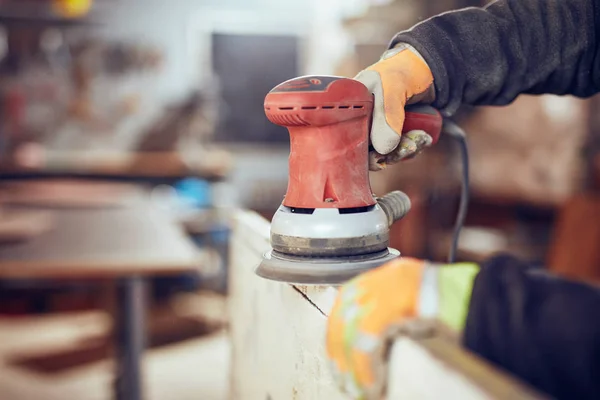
(400, 47)
(445, 293)
(426, 97)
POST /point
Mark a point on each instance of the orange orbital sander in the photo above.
(330, 226)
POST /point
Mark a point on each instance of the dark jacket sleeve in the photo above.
(488, 56)
(541, 328)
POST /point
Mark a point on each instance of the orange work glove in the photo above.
(399, 78)
(373, 308)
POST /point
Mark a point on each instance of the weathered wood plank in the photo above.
(278, 330)
(277, 335)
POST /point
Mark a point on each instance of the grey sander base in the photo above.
(320, 270)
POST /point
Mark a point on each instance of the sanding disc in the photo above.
(320, 271)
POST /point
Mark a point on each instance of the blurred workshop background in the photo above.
(130, 129)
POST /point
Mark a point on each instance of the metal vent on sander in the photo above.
(330, 227)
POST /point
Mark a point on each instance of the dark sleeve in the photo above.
(488, 56)
(543, 329)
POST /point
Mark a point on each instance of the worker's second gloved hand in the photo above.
(399, 78)
(373, 308)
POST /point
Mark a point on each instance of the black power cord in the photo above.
(453, 130)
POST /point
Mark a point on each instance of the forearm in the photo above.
(488, 56)
(541, 328)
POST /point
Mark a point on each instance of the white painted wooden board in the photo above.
(278, 337)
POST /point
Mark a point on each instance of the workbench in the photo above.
(278, 337)
(156, 167)
(127, 244)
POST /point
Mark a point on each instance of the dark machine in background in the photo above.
(267, 60)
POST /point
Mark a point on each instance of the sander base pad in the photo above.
(320, 270)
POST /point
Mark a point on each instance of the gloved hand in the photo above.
(375, 306)
(401, 77)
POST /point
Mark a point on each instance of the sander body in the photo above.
(330, 226)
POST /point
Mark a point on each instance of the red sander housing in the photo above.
(330, 226)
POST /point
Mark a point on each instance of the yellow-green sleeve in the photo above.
(455, 283)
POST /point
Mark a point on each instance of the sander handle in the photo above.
(425, 118)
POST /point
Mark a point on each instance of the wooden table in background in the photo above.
(128, 166)
(126, 244)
